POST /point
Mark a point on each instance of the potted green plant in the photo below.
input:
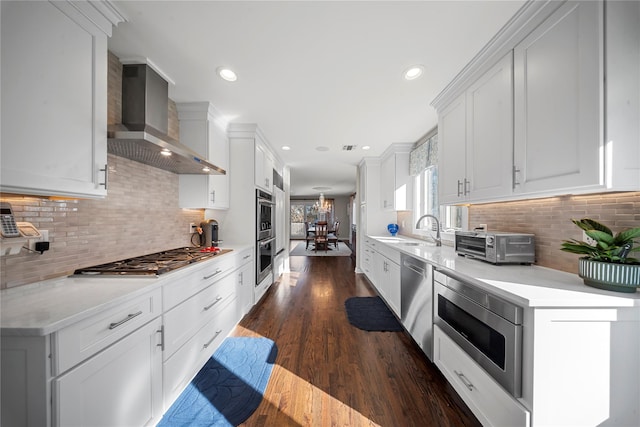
(606, 263)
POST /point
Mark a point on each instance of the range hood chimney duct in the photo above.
(143, 134)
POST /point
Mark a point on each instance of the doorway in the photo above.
(308, 210)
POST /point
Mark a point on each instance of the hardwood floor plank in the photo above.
(329, 373)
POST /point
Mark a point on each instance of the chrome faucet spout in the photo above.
(437, 239)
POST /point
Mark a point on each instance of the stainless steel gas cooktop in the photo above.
(154, 264)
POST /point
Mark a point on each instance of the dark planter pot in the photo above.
(609, 276)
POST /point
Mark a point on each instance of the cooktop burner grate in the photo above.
(152, 264)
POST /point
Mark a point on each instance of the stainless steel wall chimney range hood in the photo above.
(142, 136)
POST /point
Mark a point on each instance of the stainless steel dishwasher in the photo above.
(416, 301)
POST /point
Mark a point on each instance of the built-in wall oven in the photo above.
(485, 326)
(265, 238)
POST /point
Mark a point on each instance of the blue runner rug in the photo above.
(371, 314)
(228, 388)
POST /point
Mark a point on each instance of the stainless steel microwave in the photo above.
(497, 247)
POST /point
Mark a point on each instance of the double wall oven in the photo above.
(265, 236)
(487, 327)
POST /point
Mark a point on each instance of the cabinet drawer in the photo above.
(244, 257)
(81, 340)
(389, 252)
(181, 367)
(181, 322)
(183, 287)
(488, 401)
(121, 386)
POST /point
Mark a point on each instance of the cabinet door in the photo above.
(54, 101)
(263, 168)
(121, 386)
(452, 185)
(490, 133)
(219, 152)
(362, 175)
(244, 288)
(207, 136)
(388, 181)
(558, 101)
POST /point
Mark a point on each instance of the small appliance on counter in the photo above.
(496, 247)
(209, 236)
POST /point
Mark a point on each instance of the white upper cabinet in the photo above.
(558, 102)
(549, 107)
(263, 167)
(395, 182)
(203, 129)
(54, 98)
(476, 137)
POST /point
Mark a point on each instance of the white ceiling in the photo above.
(313, 73)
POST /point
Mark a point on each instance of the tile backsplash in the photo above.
(550, 220)
(140, 215)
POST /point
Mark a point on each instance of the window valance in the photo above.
(424, 155)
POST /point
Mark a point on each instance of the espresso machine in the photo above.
(209, 236)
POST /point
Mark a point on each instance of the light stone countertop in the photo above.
(48, 306)
(525, 285)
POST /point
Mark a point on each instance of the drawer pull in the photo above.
(465, 381)
(211, 340)
(218, 271)
(246, 256)
(125, 320)
(218, 298)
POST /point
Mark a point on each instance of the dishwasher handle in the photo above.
(416, 269)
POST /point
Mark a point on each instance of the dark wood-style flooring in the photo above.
(329, 373)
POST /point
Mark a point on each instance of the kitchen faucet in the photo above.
(437, 239)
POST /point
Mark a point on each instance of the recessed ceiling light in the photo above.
(227, 74)
(366, 147)
(413, 72)
(322, 148)
(205, 169)
(286, 148)
(165, 152)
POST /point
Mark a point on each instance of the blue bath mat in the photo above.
(371, 314)
(228, 388)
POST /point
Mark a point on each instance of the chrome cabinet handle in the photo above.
(211, 340)
(459, 188)
(515, 171)
(213, 196)
(161, 332)
(464, 380)
(466, 182)
(106, 177)
(125, 320)
(218, 271)
(246, 256)
(218, 298)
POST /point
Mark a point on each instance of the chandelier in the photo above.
(321, 205)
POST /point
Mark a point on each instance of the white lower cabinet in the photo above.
(121, 386)
(244, 284)
(125, 365)
(185, 363)
(487, 400)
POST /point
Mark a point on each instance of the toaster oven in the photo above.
(496, 247)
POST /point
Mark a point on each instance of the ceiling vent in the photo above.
(348, 147)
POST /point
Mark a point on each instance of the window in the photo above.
(425, 192)
(307, 211)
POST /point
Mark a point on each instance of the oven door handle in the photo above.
(266, 242)
(265, 202)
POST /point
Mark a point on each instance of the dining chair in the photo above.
(309, 235)
(333, 236)
(321, 236)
